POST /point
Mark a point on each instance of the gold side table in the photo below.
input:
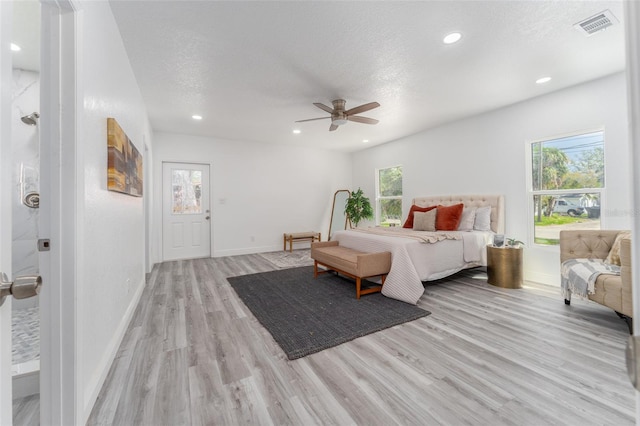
(504, 266)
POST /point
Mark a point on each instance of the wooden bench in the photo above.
(352, 263)
(299, 236)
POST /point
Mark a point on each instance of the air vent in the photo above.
(596, 23)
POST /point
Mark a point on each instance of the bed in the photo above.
(418, 256)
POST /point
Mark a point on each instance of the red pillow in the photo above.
(448, 217)
(409, 222)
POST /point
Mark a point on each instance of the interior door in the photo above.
(186, 215)
(6, 409)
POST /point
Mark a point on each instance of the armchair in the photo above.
(610, 290)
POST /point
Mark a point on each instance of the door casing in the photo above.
(6, 162)
(60, 155)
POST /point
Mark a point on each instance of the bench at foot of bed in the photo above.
(352, 263)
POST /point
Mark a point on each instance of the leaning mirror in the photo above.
(338, 220)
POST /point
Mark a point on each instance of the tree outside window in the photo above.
(567, 176)
(389, 196)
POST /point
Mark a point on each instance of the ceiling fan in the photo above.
(339, 116)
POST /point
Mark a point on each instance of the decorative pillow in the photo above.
(614, 254)
(409, 222)
(468, 218)
(448, 217)
(425, 221)
(483, 219)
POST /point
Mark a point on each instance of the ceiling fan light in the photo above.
(339, 121)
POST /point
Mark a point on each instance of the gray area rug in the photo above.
(306, 315)
(286, 259)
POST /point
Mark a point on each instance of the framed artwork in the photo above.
(124, 163)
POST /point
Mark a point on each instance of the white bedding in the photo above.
(413, 261)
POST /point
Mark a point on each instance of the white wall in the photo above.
(486, 154)
(258, 190)
(110, 225)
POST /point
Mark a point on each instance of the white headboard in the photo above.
(495, 201)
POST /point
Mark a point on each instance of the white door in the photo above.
(5, 210)
(186, 216)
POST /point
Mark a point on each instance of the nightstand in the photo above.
(504, 266)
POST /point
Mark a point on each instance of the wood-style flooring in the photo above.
(195, 355)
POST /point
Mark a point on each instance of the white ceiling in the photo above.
(253, 68)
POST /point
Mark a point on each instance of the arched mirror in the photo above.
(338, 220)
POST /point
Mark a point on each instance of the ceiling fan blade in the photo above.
(365, 120)
(362, 108)
(333, 127)
(312, 119)
(324, 107)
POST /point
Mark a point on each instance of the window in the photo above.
(187, 185)
(389, 196)
(567, 181)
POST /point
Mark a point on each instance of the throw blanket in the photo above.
(422, 236)
(579, 276)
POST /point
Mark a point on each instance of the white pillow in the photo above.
(425, 221)
(468, 219)
(613, 258)
(483, 219)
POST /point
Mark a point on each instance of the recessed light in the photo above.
(15, 47)
(543, 80)
(365, 140)
(452, 38)
(296, 131)
(196, 117)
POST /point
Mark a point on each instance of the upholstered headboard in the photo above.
(495, 201)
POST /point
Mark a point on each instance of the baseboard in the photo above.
(110, 354)
(26, 385)
(248, 250)
(26, 379)
(542, 278)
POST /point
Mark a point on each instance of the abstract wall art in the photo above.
(125, 162)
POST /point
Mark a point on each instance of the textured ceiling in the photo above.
(253, 68)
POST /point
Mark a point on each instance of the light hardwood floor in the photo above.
(194, 354)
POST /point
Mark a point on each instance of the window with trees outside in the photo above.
(567, 176)
(389, 196)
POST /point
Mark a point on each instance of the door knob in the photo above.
(208, 217)
(21, 288)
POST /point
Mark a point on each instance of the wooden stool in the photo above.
(299, 236)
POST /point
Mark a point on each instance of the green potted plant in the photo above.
(358, 207)
(512, 242)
